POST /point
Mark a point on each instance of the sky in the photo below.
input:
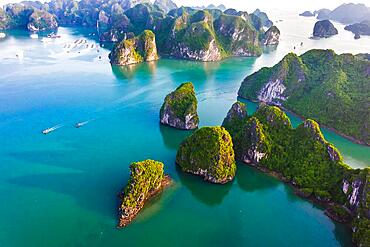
(250, 5)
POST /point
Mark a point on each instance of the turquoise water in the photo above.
(60, 189)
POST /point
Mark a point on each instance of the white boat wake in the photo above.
(47, 131)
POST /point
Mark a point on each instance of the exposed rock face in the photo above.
(309, 85)
(197, 39)
(264, 18)
(307, 14)
(235, 115)
(356, 187)
(272, 91)
(166, 5)
(42, 21)
(147, 179)
(179, 109)
(247, 133)
(324, 29)
(359, 29)
(135, 50)
(4, 19)
(208, 153)
(208, 54)
(271, 36)
(211, 35)
(237, 36)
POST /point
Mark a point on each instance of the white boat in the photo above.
(34, 36)
(79, 125)
(2, 35)
(47, 131)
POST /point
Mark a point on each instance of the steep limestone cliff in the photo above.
(135, 50)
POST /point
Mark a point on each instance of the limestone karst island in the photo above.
(184, 123)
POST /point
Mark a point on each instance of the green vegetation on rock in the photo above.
(303, 158)
(135, 50)
(208, 153)
(204, 35)
(147, 179)
(179, 109)
(329, 88)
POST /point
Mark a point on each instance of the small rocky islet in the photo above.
(324, 29)
(209, 153)
(147, 179)
(179, 109)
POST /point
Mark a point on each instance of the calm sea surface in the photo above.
(60, 189)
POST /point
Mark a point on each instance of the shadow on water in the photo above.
(196, 72)
(250, 179)
(172, 137)
(128, 72)
(205, 192)
(125, 72)
(57, 158)
(84, 188)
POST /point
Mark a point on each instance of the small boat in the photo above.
(47, 131)
(2, 35)
(34, 36)
(80, 124)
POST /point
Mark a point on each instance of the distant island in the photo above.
(362, 28)
(204, 35)
(332, 89)
(349, 13)
(307, 14)
(324, 29)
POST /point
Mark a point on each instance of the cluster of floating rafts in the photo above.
(81, 45)
(77, 125)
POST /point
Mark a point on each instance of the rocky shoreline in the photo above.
(297, 191)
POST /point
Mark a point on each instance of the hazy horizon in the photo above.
(251, 5)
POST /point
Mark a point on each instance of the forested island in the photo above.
(320, 84)
(302, 157)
